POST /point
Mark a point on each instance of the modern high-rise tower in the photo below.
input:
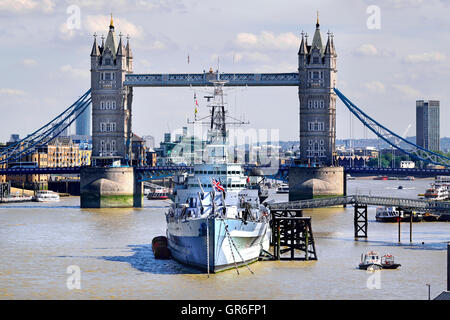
(427, 124)
(83, 123)
(111, 100)
(317, 72)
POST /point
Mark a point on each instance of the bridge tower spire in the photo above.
(111, 101)
(317, 73)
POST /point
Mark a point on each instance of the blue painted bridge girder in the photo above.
(205, 79)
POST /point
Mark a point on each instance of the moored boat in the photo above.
(388, 214)
(283, 188)
(216, 222)
(436, 192)
(46, 196)
(392, 214)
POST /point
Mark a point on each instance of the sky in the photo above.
(389, 56)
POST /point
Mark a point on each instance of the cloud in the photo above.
(74, 72)
(425, 57)
(253, 56)
(369, 50)
(12, 92)
(405, 4)
(29, 62)
(99, 24)
(23, 6)
(374, 87)
(127, 5)
(408, 92)
(267, 40)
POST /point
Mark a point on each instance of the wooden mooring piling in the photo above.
(291, 233)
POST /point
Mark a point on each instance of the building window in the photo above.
(107, 76)
(108, 127)
(107, 62)
(107, 105)
(316, 126)
(315, 60)
(316, 104)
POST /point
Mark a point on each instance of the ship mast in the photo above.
(216, 142)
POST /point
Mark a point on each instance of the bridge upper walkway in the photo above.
(204, 79)
(437, 207)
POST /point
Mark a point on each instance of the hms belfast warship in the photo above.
(216, 222)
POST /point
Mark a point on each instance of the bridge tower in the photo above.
(111, 100)
(317, 73)
(109, 183)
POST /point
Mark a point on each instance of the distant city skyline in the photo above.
(384, 71)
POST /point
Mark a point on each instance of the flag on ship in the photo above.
(196, 104)
(217, 185)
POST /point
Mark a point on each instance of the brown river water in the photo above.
(112, 249)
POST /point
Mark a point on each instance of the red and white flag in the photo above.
(217, 185)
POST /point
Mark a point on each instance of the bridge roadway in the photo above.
(397, 171)
(283, 169)
(437, 207)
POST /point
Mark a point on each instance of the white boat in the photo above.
(370, 261)
(160, 193)
(46, 196)
(442, 180)
(283, 188)
(436, 192)
(216, 222)
(388, 214)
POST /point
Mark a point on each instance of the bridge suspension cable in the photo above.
(416, 152)
(46, 133)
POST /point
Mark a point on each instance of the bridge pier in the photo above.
(360, 221)
(110, 187)
(315, 182)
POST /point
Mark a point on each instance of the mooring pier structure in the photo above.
(361, 203)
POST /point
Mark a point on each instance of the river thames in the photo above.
(112, 248)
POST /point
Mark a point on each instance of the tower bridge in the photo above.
(111, 95)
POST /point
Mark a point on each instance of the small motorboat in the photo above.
(283, 188)
(370, 261)
(387, 262)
